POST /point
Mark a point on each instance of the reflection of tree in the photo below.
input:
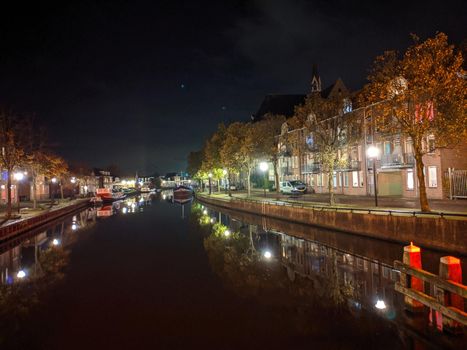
(19, 300)
(308, 305)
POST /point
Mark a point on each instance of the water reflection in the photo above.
(257, 261)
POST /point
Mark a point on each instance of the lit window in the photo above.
(334, 179)
(346, 179)
(355, 178)
(432, 177)
(410, 179)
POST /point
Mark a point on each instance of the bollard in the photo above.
(450, 269)
(413, 258)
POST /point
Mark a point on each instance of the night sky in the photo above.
(140, 84)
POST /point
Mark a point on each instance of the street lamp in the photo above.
(210, 189)
(263, 166)
(372, 153)
(18, 177)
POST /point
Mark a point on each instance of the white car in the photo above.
(292, 187)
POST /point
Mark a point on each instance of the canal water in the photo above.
(151, 273)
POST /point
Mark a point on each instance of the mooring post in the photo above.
(449, 269)
(412, 257)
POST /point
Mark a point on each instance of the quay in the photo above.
(437, 230)
(22, 225)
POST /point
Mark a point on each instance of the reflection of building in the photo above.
(366, 280)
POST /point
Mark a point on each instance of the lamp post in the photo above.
(210, 177)
(372, 153)
(18, 177)
(263, 166)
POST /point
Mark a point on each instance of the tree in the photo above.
(421, 94)
(240, 148)
(269, 128)
(56, 168)
(195, 161)
(329, 130)
(12, 148)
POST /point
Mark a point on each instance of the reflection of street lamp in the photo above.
(372, 153)
(263, 166)
(18, 177)
(380, 304)
(210, 176)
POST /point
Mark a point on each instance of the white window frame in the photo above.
(432, 176)
(410, 184)
(355, 181)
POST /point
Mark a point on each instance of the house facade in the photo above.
(396, 173)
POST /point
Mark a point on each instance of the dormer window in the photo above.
(347, 105)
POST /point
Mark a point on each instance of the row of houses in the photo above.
(83, 184)
(395, 165)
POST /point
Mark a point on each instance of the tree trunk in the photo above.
(248, 182)
(218, 185)
(8, 191)
(424, 206)
(276, 175)
(230, 191)
(34, 190)
(331, 187)
(61, 190)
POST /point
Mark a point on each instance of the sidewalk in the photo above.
(384, 202)
(27, 211)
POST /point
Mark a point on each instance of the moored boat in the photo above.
(108, 195)
(182, 191)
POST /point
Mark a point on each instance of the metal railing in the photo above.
(397, 160)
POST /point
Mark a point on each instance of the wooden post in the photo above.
(413, 258)
(450, 269)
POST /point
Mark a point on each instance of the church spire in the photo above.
(315, 80)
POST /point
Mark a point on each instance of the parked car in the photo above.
(292, 187)
(236, 187)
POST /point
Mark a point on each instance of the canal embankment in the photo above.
(30, 221)
(438, 231)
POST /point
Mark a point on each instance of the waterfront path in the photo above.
(27, 212)
(385, 202)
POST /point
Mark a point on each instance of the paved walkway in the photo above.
(27, 211)
(438, 205)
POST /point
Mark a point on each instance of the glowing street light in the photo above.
(54, 180)
(18, 176)
(373, 152)
(380, 305)
(227, 233)
(21, 274)
(267, 254)
(205, 212)
(55, 242)
(74, 226)
(263, 166)
(73, 180)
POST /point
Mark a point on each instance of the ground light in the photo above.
(124, 210)
(227, 233)
(267, 254)
(380, 304)
(205, 212)
(21, 274)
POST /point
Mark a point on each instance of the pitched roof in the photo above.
(337, 88)
(277, 104)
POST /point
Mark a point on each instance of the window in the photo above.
(312, 180)
(431, 144)
(432, 177)
(334, 179)
(355, 178)
(346, 179)
(387, 147)
(361, 178)
(410, 179)
(408, 146)
(320, 180)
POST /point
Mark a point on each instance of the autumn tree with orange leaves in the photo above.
(419, 94)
